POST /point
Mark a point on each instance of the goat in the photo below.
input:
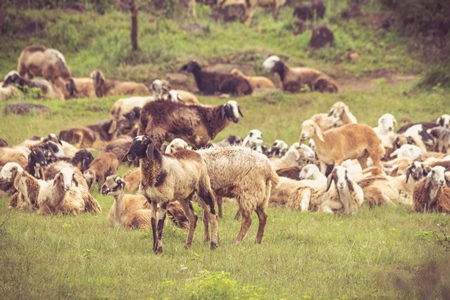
(432, 193)
(175, 177)
(195, 124)
(210, 82)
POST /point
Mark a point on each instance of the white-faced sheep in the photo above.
(297, 152)
(186, 97)
(110, 87)
(133, 211)
(197, 125)
(444, 121)
(175, 177)
(251, 5)
(294, 79)
(254, 140)
(277, 149)
(175, 145)
(243, 174)
(46, 87)
(432, 193)
(257, 82)
(209, 83)
(104, 165)
(53, 169)
(351, 141)
(46, 62)
(380, 190)
(311, 172)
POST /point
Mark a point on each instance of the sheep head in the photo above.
(10, 170)
(253, 139)
(387, 122)
(444, 121)
(159, 88)
(65, 178)
(191, 66)
(113, 185)
(141, 147)
(436, 177)
(416, 171)
(174, 96)
(98, 80)
(36, 161)
(278, 67)
(176, 144)
(82, 159)
(269, 63)
(341, 178)
(309, 130)
(338, 109)
(231, 111)
(12, 77)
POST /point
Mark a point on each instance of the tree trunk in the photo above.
(134, 25)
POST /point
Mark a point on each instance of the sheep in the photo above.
(186, 97)
(210, 82)
(133, 211)
(46, 62)
(110, 87)
(132, 179)
(243, 174)
(125, 105)
(290, 172)
(419, 130)
(277, 149)
(351, 141)
(251, 5)
(7, 92)
(18, 154)
(83, 88)
(36, 163)
(379, 190)
(411, 151)
(82, 159)
(296, 153)
(339, 115)
(401, 139)
(53, 169)
(62, 196)
(45, 86)
(432, 193)
(254, 140)
(311, 172)
(175, 145)
(442, 139)
(175, 177)
(293, 79)
(119, 146)
(444, 121)
(197, 125)
(256, 82)
(160, 89)
(94, 135)
(105, 164)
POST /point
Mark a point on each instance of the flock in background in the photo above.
(167, 137)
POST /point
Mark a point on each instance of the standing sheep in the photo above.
(197, 125)
(351, 141)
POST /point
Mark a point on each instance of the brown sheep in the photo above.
(104, 165)
(257, 82)
(109, 87)
(351, 141)
(432, 192)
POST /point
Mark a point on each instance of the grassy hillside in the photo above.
(386, 252)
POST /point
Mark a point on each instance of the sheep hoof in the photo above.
(187, 246)
(214, 245)
(207, 239)
(158, 250)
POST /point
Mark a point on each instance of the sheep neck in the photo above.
(283, 73)
(198, 77)
(30, 189)
(118, 206)
(150, 170)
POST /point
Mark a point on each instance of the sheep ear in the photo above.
(222, 112)
(395, 122)
(350, 185)
(75, 180)
(150, 149)
(427, 182)
(56, 179)
(112, 127)
(318, 132)
(408, 173)
(125, 157)
(329, 181)
(239, 110)
(331, 112)
(16, 179)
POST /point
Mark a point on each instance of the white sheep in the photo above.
(432, 193)
(124, 105)
(351, 141)
(254, 140)
(177, 144)
(411, 151)
(296, 153)
(312, 172)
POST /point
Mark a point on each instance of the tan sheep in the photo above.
(105, 164)
(351, 141)
(339, 115)
(257, 82)
(110, 87)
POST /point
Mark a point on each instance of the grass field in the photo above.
(380, 253)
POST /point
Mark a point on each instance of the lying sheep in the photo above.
(351, 141)
(297, 152)
(195, 124)
(175, 177)
(257, 82)
(432, 193)
(254, 140)
(110, 87)
(311, 172)
(104, 165)
(125, 105)
(441, 136)
(277, 149)
(187, 97)
(209, 83)
(293, 79)
(444, 121)
(46, 87)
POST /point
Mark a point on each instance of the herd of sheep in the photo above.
(337, 165)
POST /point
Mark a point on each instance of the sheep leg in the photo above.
(237, 215)
(220, 206)
(245, 225)
(153, 223)
(330, 206)
(161, 219)
(208, 198)
(262, 216)
(363, 160)
(206, 225)
(192, 218)
(306, 199)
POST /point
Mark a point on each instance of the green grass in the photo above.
(382, 253)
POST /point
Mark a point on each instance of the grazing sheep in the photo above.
(432, 193)
(210, 82)
(257, 82)
(110, 87)
(243, 174)
(351, 141)
(175, 177)
(46, 62)
(104, 165)
(45, 86)
(251, 5)
(296, 153)
(293, 79)
(380, 190)
(133, 211)
(195, 124)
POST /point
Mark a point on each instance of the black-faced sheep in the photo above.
(432, 193)
(243, 174)
(293, 79)
(110, 87)
(197, 125)
(23, 84)
(351, 141)
(209, 83)
(46, 62)
(176, 177)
